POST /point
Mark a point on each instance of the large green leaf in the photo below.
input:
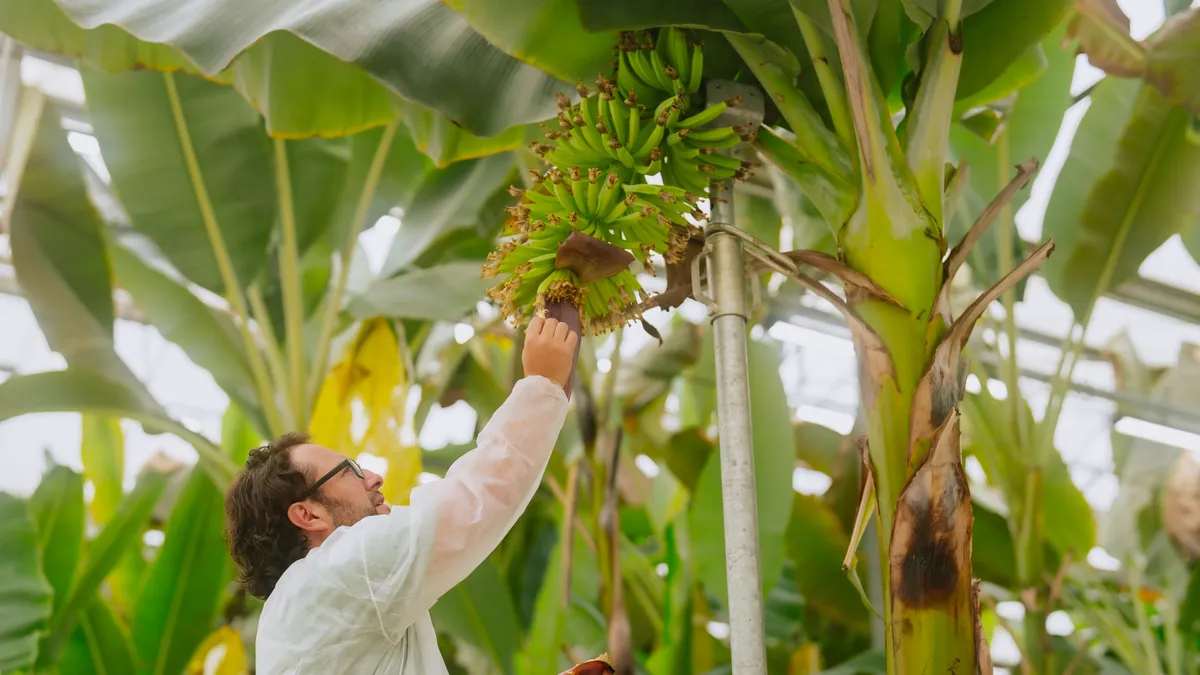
(57, 507)
(442, 293)
(1068, 524)
(631, 15)
(41, 24)
(480, 612)
(448, 200)
(816, 543)
(544, 33)
(774, 462)
(421, 49)
(78, 390)
(179, 600)
(400, 177)
(445, 142)
(207, 335)
(993, 553)
(302, 91)
(553, 625)
(100, 644)
(60, 258)
(121, 534)
(25, 595)
(102, 448)
(149, 126)
(999, 34)
(1123, 191)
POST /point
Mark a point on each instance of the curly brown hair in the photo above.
(261, 539)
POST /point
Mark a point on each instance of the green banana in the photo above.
(704, 116)
(677, 50)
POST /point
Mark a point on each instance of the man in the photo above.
(349, 581)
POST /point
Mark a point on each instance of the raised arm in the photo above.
(486, 490)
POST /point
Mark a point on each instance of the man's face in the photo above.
(343, 499)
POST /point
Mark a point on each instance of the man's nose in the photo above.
(373, 479)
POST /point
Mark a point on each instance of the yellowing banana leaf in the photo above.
(370, 371)
(404, 467)
(231, 659)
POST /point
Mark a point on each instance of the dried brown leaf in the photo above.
(958, 255)
(1102, 31)
(679, 278)
(941, 387)
(983, 653)
(865, 508)
(851, 278)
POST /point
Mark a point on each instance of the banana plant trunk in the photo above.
(888, 194)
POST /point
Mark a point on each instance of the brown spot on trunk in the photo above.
(930, 555)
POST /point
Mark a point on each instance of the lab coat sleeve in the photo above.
(486, 490)
(388, 569)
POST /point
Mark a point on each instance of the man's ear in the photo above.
(307, 516)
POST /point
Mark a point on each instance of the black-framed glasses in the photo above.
(344, 464)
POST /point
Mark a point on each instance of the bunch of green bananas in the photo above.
(670, 71)
(639, 125)
(671, 67)
(640, 218)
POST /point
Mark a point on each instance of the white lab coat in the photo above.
(359, 603)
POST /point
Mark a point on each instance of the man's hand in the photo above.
(549, 350)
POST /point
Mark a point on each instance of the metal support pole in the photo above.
(729, 314)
